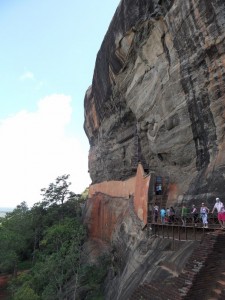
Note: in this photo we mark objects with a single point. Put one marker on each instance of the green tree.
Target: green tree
(25, 292)
(52, 234)
(59, 258)
(57, 192)
(15, 238)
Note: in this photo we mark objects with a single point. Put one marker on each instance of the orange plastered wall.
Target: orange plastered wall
(141, 195)
(137, 186)
(103, 215)
(114, 188)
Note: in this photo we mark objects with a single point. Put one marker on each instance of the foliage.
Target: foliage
(57, 192)
(46, 241)
(93, 277)
(25, 292)
(15, 238)
(84, 195)
(59, 257)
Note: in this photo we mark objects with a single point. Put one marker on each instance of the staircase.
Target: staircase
(218, 291)
(160, 200)
(209, 282)
(215, 269)
(202, 278)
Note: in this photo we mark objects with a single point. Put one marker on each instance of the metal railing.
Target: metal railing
(188, 220)
(183, 228)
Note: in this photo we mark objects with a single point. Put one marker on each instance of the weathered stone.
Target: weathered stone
(158, 95)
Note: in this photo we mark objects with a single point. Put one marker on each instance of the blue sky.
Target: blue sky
(47, 56)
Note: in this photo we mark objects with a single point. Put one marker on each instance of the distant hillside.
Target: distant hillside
(4, 210)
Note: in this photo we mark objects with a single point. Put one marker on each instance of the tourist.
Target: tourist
(172, 214)
(159, 189)
(184, 212)
(222, 216)
(204, 215)
(218, 206)
(162, 215)
(155, 213)
(194, 213)
(167, 219)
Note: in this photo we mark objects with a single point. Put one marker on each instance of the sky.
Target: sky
(47, 57)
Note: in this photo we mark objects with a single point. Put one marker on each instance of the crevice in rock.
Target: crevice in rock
(166, 50)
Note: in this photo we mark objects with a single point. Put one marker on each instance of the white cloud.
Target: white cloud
(35, 149)
(27, 76)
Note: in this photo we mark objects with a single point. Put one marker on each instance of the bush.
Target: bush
(25, 293)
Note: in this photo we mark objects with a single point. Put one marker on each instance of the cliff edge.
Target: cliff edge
(158, 94)
(154, 116)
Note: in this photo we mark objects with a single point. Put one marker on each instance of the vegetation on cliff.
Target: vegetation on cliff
(42, 247)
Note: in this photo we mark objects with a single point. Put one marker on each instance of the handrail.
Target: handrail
(191, 230)
(187, 220)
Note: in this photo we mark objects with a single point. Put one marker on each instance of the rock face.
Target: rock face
(158, 95)
(157, 98)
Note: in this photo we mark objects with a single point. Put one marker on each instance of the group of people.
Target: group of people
(204, 211)
(168, 215)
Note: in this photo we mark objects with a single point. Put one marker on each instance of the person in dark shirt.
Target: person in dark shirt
(194, 213)
(172, 214)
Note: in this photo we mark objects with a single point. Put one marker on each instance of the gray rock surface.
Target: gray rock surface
(140, 257)
(157, 95)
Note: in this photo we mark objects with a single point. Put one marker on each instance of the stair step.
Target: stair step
(217, 291)
(221, 282)
(215, 294)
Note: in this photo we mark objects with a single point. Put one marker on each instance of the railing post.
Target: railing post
(182, 232)
(173, 235)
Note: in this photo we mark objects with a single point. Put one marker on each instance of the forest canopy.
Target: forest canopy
(41, 247)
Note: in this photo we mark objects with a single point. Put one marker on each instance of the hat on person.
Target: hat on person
(217, 199)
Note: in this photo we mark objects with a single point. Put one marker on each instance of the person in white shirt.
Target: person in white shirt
(204, 215)
(155, 213)
(218, 206)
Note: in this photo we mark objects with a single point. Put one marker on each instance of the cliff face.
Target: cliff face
(158, 95)
(157, 98)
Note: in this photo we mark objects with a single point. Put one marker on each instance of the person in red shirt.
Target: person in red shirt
(218, 206)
